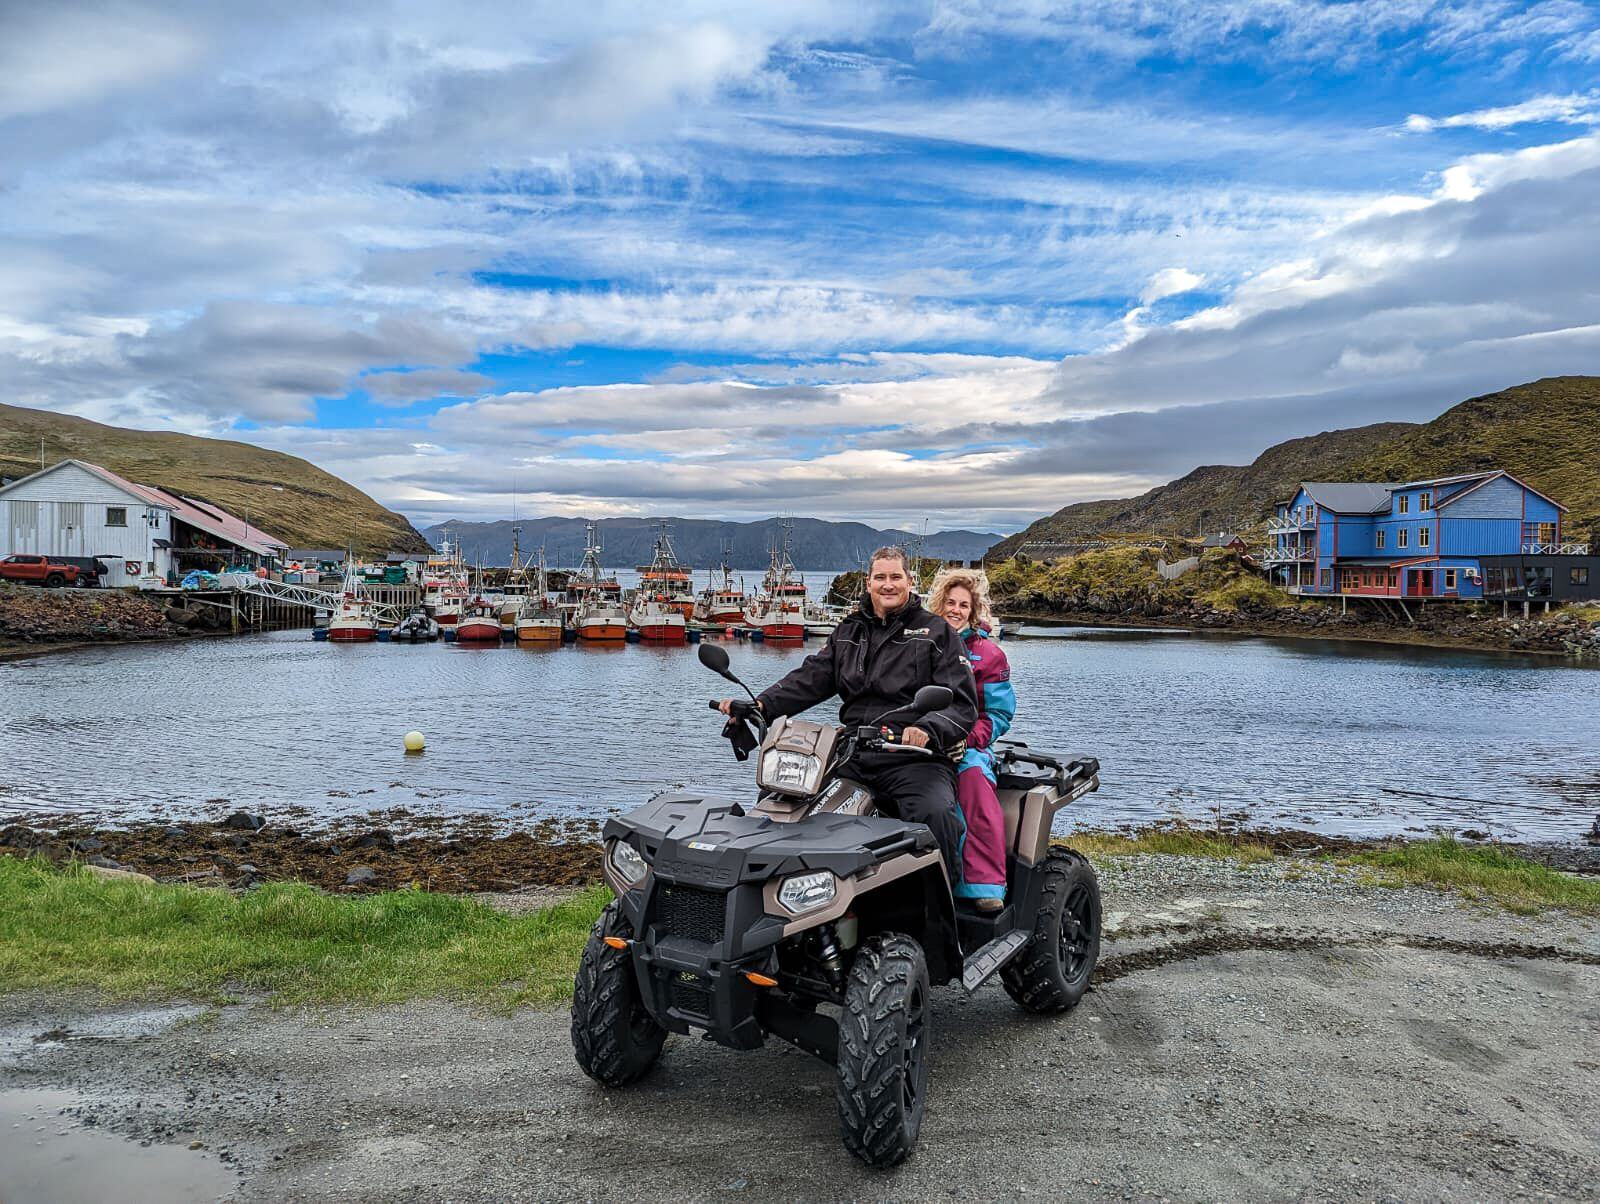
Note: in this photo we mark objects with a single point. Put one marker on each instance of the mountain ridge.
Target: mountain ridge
(816, 543)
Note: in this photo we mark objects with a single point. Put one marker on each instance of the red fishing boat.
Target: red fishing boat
(778, 611)
(665, 579)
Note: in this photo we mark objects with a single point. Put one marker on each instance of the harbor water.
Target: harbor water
(1350, 738)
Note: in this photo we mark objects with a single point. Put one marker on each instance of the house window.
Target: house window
(1380, 540)
(1400, 537)
(1580, 576)
(1394, 580)
(1425, 501)
(116, 516)
(1424, 537)
(1450, 579)
(1545, 532)
(1405, 503)
(1327, 578)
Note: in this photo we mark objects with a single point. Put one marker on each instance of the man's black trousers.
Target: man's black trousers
(919, 789)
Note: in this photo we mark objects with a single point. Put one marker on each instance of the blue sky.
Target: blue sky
(963, 262)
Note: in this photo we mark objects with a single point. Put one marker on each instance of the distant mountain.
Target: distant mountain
(281, 494)
(1546, 432)
(699, 542)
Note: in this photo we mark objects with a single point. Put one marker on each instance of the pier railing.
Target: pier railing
(1555, 549)
(310, 595)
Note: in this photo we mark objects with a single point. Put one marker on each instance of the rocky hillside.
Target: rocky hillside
(282, 494)
(816, 544)
(1547, 433)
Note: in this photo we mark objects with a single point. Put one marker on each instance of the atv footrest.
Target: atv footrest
(978, 928)
(981, 965)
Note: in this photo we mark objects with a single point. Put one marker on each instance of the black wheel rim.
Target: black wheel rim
(1077, 934)
(916, 1035)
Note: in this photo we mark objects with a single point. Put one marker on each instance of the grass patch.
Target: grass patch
(70, 929)
(1482, 872)
(1172, 842)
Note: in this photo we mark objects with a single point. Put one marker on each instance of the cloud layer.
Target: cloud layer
(964, 261)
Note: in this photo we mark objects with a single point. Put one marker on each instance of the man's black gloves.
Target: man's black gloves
(741, 733)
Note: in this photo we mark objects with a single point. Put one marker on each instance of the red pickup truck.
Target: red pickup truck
(39, 569)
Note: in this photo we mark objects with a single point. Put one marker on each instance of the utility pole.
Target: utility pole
(41, 453)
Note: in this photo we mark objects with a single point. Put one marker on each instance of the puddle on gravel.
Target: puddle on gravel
(47, 1158)
(109, 1027)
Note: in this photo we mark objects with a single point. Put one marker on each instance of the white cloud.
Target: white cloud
(1170, 282)
(1571, 109)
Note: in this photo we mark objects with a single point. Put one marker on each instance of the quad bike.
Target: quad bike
(811, 917)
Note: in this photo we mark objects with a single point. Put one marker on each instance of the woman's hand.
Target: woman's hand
(915, 737)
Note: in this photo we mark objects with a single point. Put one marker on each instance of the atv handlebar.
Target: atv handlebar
(739, 708)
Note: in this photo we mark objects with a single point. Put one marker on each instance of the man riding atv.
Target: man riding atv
(875, 661)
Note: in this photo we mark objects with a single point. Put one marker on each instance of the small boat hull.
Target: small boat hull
(538, 633)
(663, 633)
(782, 631)
(608, 632)
(478, 631)
(353, 633)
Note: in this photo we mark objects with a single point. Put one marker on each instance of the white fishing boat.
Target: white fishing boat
(353, 620)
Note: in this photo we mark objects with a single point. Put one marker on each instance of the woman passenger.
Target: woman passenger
(961, 597)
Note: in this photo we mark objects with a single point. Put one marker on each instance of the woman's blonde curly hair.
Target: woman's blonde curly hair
(975, 582)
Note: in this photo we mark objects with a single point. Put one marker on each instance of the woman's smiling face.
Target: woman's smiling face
(958, 607)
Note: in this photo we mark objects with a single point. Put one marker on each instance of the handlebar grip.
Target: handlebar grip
(713, 704)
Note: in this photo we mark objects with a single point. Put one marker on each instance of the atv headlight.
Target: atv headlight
(807, 892)
(790, 772)
(630, 867)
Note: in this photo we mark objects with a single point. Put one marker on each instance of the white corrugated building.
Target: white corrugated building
(142, 533)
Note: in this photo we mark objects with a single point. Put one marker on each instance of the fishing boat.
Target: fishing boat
(821, 619)
(721, 605)
(538, 619)
(514, 593)
(778, 609)
(444, 584)
(665, 579)
(657, 621)
(354, 621)
(480, 621)
(599, 617)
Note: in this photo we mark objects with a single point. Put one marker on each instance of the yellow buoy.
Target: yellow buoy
(415, 742)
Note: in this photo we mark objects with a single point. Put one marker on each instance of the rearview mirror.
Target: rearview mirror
(715, 658)
(929, 698)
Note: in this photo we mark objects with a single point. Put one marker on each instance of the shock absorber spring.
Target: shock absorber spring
(828, 948)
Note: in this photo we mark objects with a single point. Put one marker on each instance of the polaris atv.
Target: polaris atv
(809, 916)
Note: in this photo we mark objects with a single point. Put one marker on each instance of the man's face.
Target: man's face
(888, 586)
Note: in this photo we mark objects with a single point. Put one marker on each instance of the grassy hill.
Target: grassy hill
(1546, 432)
(1212, 497)
(281, 494)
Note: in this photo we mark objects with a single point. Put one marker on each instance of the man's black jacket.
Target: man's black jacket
(876, 665)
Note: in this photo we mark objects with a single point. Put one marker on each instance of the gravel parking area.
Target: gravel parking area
(1280, 1030)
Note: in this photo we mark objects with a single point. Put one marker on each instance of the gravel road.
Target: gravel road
(1270, 1032)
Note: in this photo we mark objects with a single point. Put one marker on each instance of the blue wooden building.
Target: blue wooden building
(1482, 535)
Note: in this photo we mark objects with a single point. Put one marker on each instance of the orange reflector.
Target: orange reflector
(616, 942)
(760, 980)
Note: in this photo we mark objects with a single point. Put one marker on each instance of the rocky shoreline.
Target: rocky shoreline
(1566, 632)
(387, 850)
(382, 851)
(35, 620)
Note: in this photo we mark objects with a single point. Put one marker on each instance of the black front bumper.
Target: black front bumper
(691, 950)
